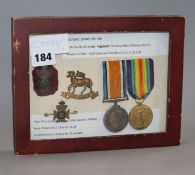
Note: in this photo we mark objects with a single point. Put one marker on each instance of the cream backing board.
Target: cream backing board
(94, 109)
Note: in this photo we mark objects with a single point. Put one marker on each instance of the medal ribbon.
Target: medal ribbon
(140, 77)
(114, 80)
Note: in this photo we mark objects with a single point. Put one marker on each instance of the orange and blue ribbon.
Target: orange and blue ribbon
(140, 77)
(114, 80)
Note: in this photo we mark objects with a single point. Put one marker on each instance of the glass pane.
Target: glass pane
(98, 84)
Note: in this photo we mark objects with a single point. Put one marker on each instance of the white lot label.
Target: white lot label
(44, 47)
(43, 58)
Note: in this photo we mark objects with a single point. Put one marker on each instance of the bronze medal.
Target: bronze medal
(140, 117)
(140, 81)
(114, 90)
(115, 119)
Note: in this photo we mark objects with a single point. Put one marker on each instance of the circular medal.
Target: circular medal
(115, 119)
(140, 117)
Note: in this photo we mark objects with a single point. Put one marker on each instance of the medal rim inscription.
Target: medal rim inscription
(107, 116)
(132, 115)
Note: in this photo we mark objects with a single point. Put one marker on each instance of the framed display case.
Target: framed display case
(96, 83)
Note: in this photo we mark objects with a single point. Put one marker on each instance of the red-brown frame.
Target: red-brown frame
(23, 27)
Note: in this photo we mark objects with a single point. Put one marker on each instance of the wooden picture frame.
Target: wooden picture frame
(23, 27)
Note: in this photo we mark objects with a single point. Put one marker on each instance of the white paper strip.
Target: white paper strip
(82, 125)
(117, 44)
(44, 47)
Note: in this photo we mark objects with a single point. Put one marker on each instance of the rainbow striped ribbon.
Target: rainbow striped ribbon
(114, 80)
(140, 77)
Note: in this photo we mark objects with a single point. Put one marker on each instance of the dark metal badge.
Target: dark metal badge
(61, 114)
(140, 117)
(45, 80)
(115, 119)
(78, 79)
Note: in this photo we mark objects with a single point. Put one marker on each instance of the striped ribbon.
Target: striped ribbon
(140, 77)
(114, 80)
